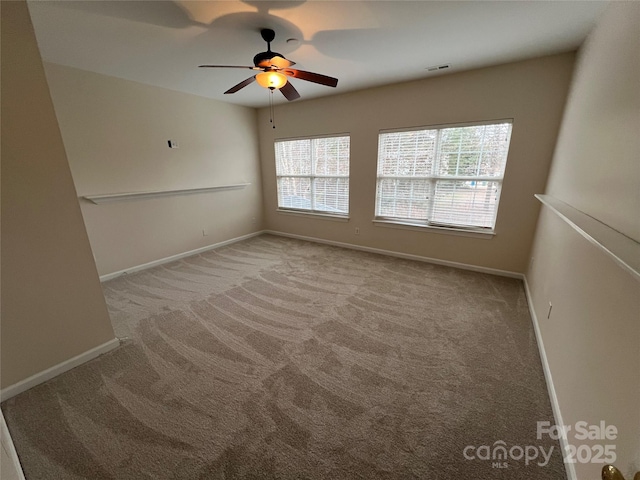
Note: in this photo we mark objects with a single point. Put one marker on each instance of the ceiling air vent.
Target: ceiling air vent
(438, 67)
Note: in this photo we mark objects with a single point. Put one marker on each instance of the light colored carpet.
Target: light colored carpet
(280, 359)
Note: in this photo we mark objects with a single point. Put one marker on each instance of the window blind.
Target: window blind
(446, 176)
(313, 174)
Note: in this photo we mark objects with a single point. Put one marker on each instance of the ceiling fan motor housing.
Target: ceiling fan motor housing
(263, 59)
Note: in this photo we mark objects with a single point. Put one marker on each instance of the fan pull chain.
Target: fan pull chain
(271, 109)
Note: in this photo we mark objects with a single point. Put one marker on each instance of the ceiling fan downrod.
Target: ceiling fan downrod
(268, 35)
(263, 58)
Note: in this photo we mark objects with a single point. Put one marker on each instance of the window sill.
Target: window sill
(460, 232)
(321, 216)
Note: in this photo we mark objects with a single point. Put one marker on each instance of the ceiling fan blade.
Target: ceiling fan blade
(311, 77)
(289, 91)
(228, 66)
(281, 62)
(241, 85)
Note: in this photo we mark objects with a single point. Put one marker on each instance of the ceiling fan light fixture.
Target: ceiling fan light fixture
(274, 72)
(271, 79)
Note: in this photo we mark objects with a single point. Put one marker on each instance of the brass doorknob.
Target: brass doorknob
(609, 472)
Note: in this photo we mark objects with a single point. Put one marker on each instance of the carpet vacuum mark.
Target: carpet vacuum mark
(281, 359)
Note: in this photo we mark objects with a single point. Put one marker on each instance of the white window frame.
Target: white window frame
(432, 179)
(312, 177)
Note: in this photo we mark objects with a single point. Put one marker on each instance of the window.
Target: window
(313, 175)
(447, 177)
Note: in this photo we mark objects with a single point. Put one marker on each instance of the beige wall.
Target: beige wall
(52, 303)
(592, 337)
(531, 92)
(116, 132)
(597, 157)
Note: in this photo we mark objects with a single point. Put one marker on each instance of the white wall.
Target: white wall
(116, 132)
(592, 338)
(532, 92)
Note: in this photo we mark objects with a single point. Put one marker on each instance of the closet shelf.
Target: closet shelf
(622, 249)
(121, 197)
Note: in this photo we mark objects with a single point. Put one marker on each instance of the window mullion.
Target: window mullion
(435, 166)
(484, 133)
(495, 210)
(395, 197)
(415, 154)
(312, 180)
(458, 159)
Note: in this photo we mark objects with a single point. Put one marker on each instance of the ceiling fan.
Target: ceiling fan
(274, 70)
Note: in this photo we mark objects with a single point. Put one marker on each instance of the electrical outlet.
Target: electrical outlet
(357, 230)
(173, 144)
(204, 232)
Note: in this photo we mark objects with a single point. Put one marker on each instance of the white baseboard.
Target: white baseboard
(7, 444)
(155, 263)
(49, 373)
(555, 406)
(408, 256)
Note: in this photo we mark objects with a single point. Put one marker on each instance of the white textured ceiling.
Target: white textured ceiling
(362, 43)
